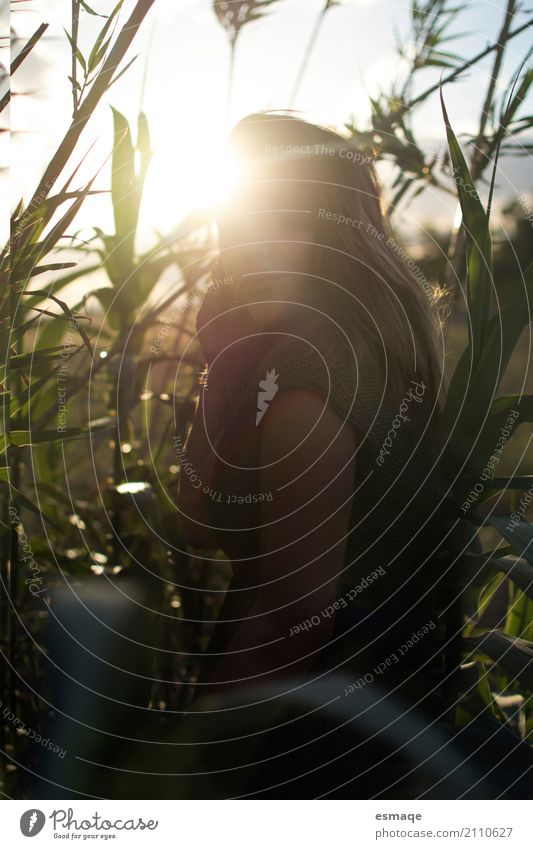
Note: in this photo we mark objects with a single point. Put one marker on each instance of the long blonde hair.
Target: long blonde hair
(367, 282)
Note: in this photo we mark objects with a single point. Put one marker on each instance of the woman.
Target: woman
(314, 447)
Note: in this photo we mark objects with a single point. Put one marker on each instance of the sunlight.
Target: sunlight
(210, 180)
(458, 217)
(194, 180)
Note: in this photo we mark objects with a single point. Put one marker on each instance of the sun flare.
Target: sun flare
(195, 180)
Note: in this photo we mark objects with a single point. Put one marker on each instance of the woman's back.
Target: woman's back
(385, 611)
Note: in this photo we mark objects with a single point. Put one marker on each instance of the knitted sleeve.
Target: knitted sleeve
(352, 390)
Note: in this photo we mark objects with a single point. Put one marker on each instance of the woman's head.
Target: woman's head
(267, 233)
(306, 239)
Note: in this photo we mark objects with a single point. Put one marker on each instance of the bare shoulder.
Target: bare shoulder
(300, 427)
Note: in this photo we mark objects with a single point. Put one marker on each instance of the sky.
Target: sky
(180, 80)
